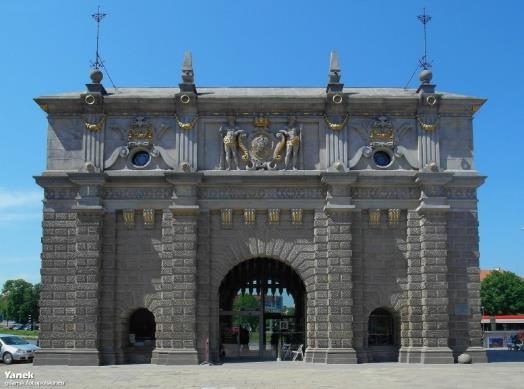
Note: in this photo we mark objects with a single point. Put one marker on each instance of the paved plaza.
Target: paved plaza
(277, 375)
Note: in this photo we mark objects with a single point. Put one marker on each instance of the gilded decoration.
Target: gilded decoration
(129, 217)
(186, 126)
(273, 216)
(291, 137)
(393, 216)
(249, 216)
(374, 217)
(382, 133)
(261, 149)
(336, 126)
(296, 216)
(149, 217)
(140, 141)
(95, 126)
(226, 216)
(261, 145)
(232, 145)
(140, 133)
(261, 122)
(427, 125)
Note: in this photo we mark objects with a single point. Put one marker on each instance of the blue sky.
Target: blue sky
(476, 48)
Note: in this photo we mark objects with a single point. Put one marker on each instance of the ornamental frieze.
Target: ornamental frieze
(403, 193)
(60, 193)
(233, 193)
(461, 193)
(138, 193)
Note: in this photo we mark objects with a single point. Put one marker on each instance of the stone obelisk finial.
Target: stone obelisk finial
(334, 84)
(188, 76)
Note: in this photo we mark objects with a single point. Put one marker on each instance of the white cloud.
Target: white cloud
(10, 199)
(20, 205)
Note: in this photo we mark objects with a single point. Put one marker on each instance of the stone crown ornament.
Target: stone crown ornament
(261, 122)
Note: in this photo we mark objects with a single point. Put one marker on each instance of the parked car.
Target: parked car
(15, 348)
(14, 326)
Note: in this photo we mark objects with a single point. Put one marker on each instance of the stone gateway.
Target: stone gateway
(185, 225)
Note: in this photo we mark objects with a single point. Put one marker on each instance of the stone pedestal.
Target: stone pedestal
(70, 357)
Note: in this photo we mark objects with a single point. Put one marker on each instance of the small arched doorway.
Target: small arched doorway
(141, 339)
(383, 336)
(262, 304)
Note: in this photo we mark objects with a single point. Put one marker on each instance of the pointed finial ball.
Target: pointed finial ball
(96, 76)
(425, 76)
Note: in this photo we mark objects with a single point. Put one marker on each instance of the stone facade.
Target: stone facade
(152, 196)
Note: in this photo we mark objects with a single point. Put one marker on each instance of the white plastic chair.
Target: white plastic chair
(298, 352)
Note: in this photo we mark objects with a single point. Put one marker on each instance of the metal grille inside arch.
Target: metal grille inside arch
(262, 305)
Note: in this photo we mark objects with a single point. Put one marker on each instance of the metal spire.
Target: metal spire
(98, 16)
(424, 19)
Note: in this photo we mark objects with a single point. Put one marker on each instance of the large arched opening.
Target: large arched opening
(141, 336)
(262, 305)
(383, 336)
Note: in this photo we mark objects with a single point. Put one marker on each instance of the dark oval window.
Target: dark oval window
(140, 158)
(381, 158)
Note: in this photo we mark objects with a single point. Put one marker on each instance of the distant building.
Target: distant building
(500, 329)
(485, 272)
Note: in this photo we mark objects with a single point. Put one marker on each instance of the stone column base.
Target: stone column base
(425, 355)
(331, 355)
(67, 356)
(478, 354)
(171, 356)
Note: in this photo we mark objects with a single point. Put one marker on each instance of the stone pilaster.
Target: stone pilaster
(427, 330)
(333, 341)
(411, 325)
(176, 324)
(86, 324)
(358, 270)
(72, 321)
(204, 294)
(464, 285)
(340, 289)
(58, 293)
(317, 299)
(109, 353)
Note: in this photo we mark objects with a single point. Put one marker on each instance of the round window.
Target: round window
(140, 158)
(381, 158)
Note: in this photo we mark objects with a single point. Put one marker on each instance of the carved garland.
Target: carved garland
(94, 127)
(337, 126)
(186, 126)
(428, 126)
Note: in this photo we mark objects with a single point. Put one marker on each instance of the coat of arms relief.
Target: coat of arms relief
(261, 149)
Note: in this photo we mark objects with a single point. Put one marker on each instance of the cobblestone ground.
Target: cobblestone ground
(275, 375)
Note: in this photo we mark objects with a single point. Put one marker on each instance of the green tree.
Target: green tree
(246, 302)
(21, 300)
(35, 302)
(3, 307)
(502, 293)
